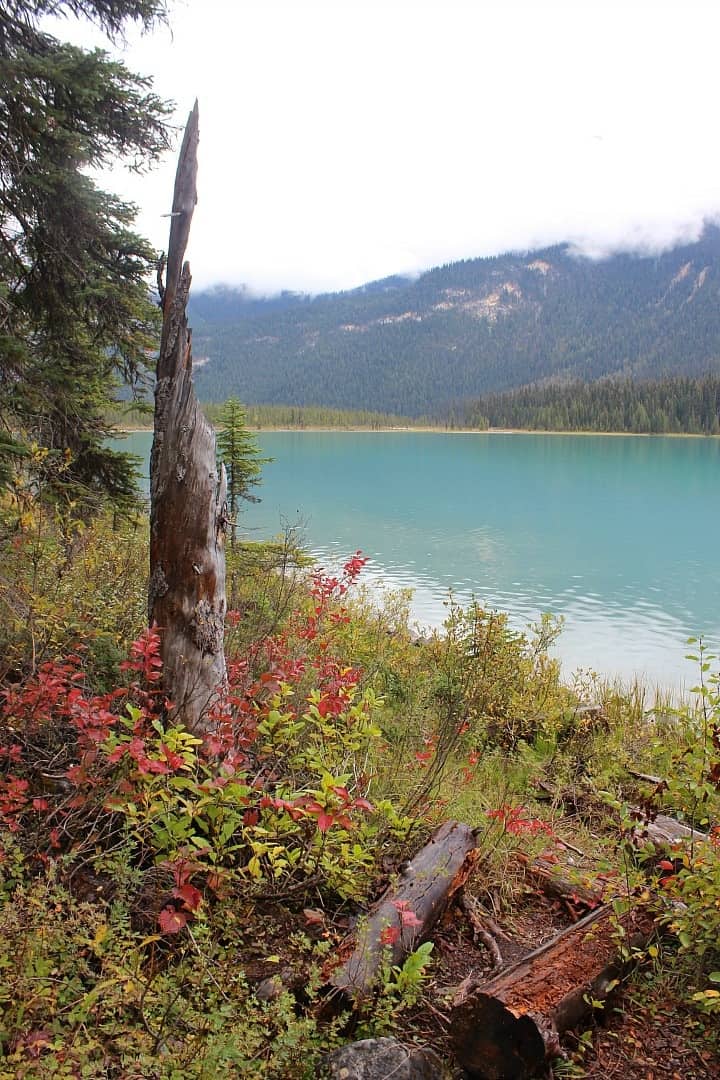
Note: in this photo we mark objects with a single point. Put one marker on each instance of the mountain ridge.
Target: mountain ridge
(418, 345)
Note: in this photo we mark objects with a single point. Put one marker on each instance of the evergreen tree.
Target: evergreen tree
(240, 453)
(75, 311)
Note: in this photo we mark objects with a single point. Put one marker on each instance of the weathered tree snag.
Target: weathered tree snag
(188, 512)
(426, 886)
(506, 1028)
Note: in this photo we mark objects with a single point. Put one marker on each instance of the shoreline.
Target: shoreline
(419, 430)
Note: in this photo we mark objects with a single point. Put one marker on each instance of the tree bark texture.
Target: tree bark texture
(188, 511)
(424, 889)
(506, 1028)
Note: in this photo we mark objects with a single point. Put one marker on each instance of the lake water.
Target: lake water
(619, 535)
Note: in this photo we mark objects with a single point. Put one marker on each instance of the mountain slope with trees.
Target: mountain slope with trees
(470, 328)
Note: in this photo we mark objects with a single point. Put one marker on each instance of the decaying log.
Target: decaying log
(506, 1028)
(666, 832)
(406, 913)
(188, 512)
(663, 831)
(554, 880)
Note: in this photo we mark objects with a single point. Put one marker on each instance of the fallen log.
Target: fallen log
(666, 831)
(554, 880)
(507, 1028)
(407, 912)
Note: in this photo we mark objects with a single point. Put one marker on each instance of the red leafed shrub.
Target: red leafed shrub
(272, 791)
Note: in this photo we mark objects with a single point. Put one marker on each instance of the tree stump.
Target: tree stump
(505, 1029)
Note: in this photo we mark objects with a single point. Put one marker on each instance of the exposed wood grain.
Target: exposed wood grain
(508, 1027)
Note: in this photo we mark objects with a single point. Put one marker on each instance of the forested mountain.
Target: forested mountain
(467, 329)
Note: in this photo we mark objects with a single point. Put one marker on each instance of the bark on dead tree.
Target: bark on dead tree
(425, 887)
(506, 1028)
(188, 511)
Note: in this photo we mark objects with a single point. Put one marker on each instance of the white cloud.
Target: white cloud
(349, 139)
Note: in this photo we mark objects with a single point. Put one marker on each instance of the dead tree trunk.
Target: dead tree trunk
(188, 509)
(406, 913)
(505, 1029)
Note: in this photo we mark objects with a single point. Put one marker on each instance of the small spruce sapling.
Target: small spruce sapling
(240, 453)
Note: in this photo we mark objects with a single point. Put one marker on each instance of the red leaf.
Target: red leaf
(171, 921)
(390, 935)
(190, 896)
(409, 918)
(363, 804)
(407, 915)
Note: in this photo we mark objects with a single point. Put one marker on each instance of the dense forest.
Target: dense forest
(671, 406)
(461, 331)
(659, 407)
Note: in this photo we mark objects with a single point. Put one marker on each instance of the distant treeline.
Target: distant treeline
(276, 416)
(673, 405)
(311, 416)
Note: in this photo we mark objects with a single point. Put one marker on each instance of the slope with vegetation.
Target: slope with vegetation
(171, 905)
(467, 329)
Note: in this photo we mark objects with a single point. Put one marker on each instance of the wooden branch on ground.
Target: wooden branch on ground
(647, 778)
(407, 912)
(480, 932)
(188, 511)
(511, 1025)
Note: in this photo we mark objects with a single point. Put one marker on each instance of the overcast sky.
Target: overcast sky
(345, 140)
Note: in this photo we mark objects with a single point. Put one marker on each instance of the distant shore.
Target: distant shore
(412, 429)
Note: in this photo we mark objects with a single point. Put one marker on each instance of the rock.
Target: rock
(271, 988)
(377, 1059)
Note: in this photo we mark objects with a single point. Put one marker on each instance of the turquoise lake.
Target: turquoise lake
(617, 534)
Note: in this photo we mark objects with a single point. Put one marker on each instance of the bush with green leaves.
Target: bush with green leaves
(692, 872)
